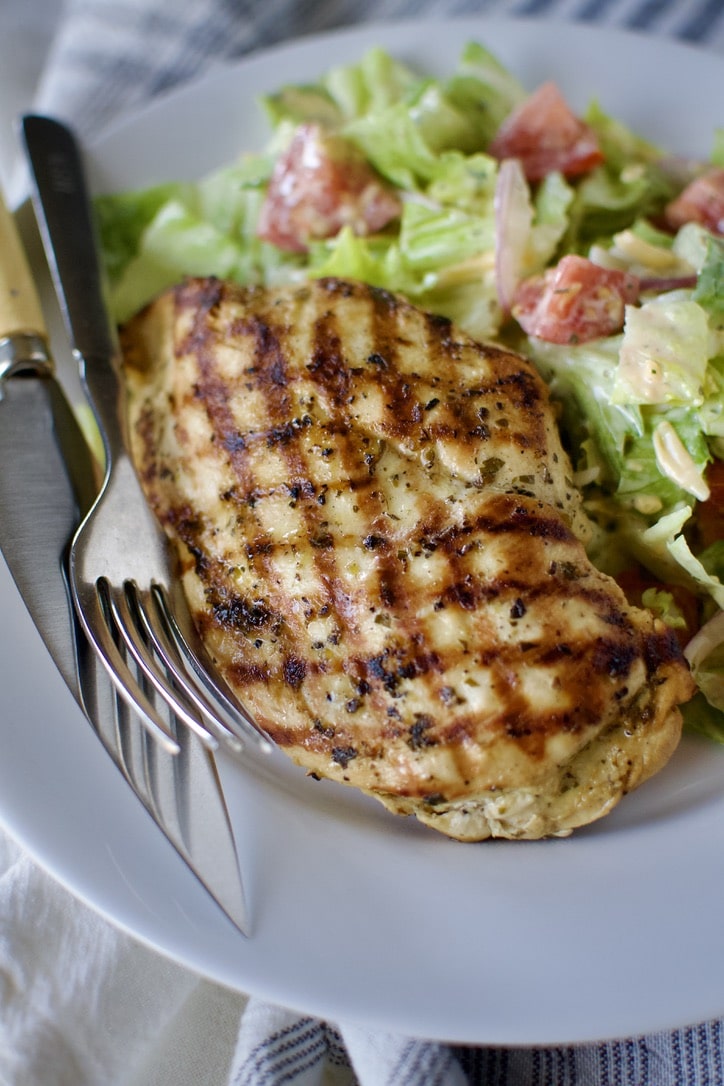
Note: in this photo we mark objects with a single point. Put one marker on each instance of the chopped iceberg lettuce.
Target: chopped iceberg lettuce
(679, 548)
(664, 606)
(625, 151)
(176, 242)
(705, 653)
(664, 352)
(608, 201)
(465, 182)
(376, 261)
(304, 104)
(717, 153)
(643, 464)
(377, 81)
(551, 203)
(600, 431)
(484, 89)
(435, 237)
(703, 718)
(652, 479)
(154, 238)
(630, 185)
(343, 93)
(641, 411)
(709, 291)
(122, 218)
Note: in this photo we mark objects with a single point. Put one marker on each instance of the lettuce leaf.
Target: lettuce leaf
(717, 151)
(483, 89)
(705, 653)
(377, 81)
(644, 481)
(664, 352)
(631, 185)
(176, 243)
(376, 261)
(122, 218)
(599, 430)
(702, 718)
(709, 291)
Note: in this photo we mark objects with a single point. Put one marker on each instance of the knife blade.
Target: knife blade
(47, 483)
(38, 436)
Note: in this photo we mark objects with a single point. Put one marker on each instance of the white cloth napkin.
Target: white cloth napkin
(82, 1003)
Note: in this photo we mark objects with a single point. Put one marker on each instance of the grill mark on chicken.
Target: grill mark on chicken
(470, 593)
(328, 369)
(228, 610)
(273, 380)
(331, 370)
(661, 647)
(391, 573)
(425, 665)
(393, 589)
(210, 388)
(215, 394)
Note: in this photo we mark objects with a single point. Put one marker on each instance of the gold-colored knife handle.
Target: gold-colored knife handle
(19, 303)
(23, 336)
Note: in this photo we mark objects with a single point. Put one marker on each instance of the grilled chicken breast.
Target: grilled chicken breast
(384, 553)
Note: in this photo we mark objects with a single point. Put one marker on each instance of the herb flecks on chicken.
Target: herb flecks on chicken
(385, 555)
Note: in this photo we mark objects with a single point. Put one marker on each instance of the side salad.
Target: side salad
(570, 238)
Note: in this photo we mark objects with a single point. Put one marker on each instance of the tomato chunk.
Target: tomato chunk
(320, 183)
(574, 302)
(701, 201)
(545, 135)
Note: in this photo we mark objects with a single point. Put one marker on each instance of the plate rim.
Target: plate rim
(406, 1019)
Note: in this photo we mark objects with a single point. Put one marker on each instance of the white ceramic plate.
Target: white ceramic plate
(358, 915)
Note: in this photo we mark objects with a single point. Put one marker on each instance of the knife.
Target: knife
(47, 483)
(39, 435)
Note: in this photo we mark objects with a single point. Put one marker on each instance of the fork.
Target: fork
(124, 583)
(181, 792)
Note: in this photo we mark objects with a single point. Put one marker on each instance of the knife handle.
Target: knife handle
(23, 336)
(20, 310)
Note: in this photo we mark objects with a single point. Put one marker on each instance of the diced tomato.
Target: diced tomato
(636, 580)
(701, 201)
(545, 135)
(574, 302)
(320, 183)
(710, 514)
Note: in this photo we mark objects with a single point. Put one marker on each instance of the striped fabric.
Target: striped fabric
(110, 56)
(277, 1047)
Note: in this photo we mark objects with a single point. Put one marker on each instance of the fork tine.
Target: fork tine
(96, 625)
(130, 620)
(210, 693)
(170, 786)
(165, 793)
(166, 649)
(132, 747)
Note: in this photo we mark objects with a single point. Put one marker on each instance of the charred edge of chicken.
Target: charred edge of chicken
(384, 553)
